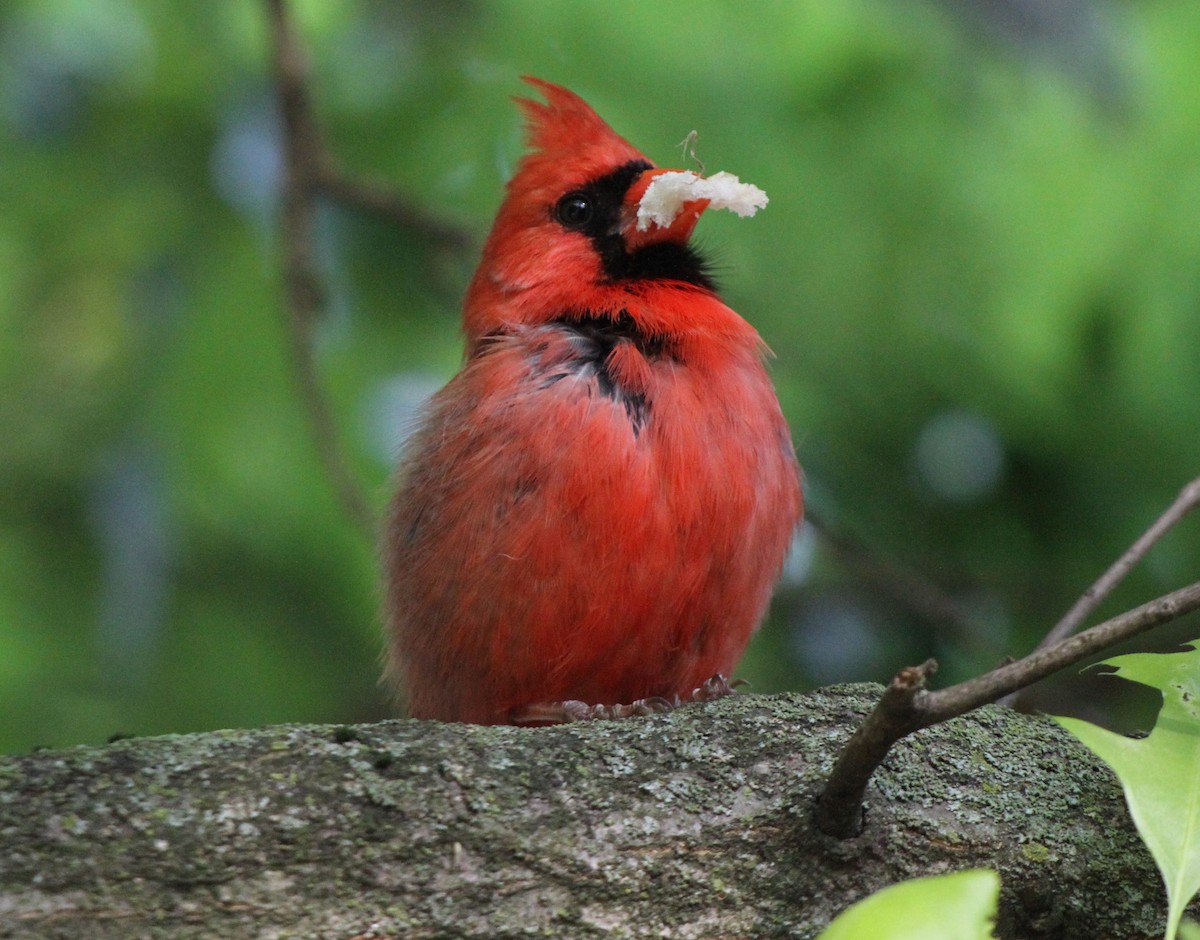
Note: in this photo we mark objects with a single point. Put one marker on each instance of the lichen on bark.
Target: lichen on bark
(693, 824)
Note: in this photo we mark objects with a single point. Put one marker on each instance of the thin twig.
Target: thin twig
(960, 699)
(302, 284)
(1188, 499)
(1185, 502)
(905, 708)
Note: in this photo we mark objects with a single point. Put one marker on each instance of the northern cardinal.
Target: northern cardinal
(594, 510)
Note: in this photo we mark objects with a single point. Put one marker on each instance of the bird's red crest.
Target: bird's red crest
(565, 129)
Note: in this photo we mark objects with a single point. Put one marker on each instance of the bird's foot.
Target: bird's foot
(717, 687)
(553, 713)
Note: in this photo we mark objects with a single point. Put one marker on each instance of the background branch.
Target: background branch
(380, 200)
(309, 171)
(302, 285)
(911, 588)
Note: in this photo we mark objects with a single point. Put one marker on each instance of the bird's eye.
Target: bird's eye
(574, 210)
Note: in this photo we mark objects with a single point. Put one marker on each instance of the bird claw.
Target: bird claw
(572, 710)
(716, 687)
(545, 713)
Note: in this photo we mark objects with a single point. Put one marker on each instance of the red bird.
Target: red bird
(595, 508)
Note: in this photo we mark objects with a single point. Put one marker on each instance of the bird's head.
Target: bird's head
(581, 225)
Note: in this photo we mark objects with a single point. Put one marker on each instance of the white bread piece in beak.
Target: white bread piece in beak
(665, 196)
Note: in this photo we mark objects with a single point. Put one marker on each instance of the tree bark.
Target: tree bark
(695, 824)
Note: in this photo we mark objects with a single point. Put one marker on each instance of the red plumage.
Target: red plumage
(597, 505)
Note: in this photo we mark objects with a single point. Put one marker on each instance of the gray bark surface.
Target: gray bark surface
(695, 824)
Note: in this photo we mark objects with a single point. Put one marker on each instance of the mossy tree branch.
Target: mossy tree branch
(695, 823)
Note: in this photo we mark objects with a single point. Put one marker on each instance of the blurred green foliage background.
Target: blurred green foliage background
(978, 271)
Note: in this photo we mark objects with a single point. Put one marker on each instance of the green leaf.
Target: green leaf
(1161, 773)
(1189, 930)
(958, 906)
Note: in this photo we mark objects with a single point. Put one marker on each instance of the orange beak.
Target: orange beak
(680, 229)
